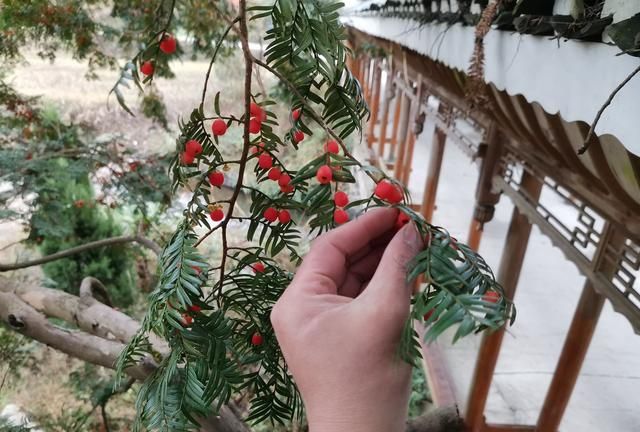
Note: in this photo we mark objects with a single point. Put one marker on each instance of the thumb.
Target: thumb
(389, 286)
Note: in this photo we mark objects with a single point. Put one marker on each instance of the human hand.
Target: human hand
(340, 321)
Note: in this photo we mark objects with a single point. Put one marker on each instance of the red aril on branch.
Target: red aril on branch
(258, 267)
(402, 220)
(187, 319)
(340, 216)
(324, 174)
(265, 161)
(332, 147)
(218, 127)
(147, 68)
(216, 215)
(298, 136)
(168, 44)
(270, 214)
(284, 179)
(255, 110)
(216, 178)
(396, 195)
(186, 158)
(341, 199)
(258, 148)
(254, 126)
(385, 190)
(256, 339)
(287, 189)
(274, 174)
(194, 308)
(428, 314)
(193, 147)
(133, 166)
(295, 114)
(491, 297)
(284, 216)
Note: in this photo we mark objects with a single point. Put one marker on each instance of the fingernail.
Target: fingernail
(412, 238)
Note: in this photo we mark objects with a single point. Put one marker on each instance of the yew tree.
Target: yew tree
(206, 336)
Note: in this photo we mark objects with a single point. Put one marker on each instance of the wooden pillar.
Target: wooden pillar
(433, 172)
(509, 272)
(416, 123)
(579, 337)
(375, 103)
(491, 151)
(386, 105)
(402, 135)
(396, 120)
(366, 61)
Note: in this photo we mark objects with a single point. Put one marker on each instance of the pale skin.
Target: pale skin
(340, 321)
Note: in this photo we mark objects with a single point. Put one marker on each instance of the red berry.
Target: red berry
(324, 174)
(298, 136)
(428, 314)
(270, 214)
(254, 126)
(147, 68)
(258, 267)
(284, 216)
(491, 297)
(332, 147)
(396, 195)
(187, 159)
(341, 199)
(255, 110)
(256, 339)
(340, 216)
(258, 148)
(78, 203)
(187, 319)
(216, 178)
(296, 114)
(133, 166)
(195, 308)
(284, 180)
(402, 220)
(193, 147)
(274, 174)
(197, 269)
(168, 44)
(383, 189)
(218, 127)
(265, 161)
(287, 189)
(217, 215)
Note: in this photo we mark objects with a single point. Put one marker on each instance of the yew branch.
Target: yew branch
(148, 243)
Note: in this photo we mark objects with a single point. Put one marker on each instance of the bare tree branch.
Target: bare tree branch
(24, 319)
(20, 311)
(148, 243)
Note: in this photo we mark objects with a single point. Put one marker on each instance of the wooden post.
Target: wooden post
(386, 104)
(366, 62)
(433, 172)
(491, 151)
(416, 124)
(375, 103)
(400, 96)
(579, 337)
(509, 272)
(475, 234)
(402, 136)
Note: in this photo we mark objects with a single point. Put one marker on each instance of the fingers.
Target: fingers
(360, 272)
(388, 286)
(324, 267)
